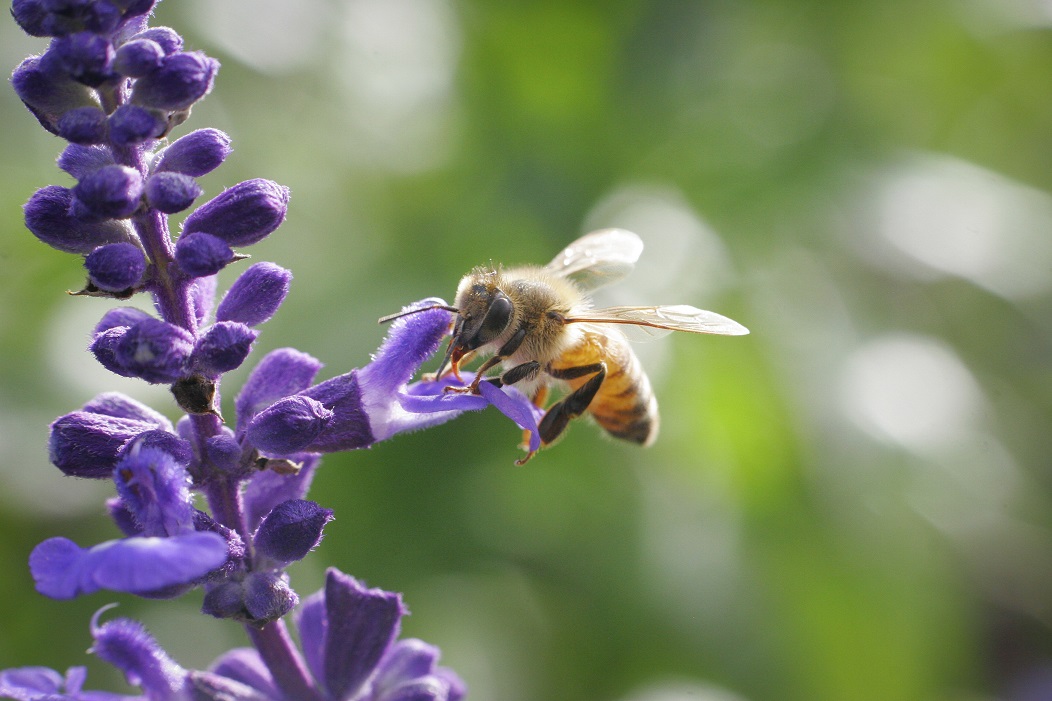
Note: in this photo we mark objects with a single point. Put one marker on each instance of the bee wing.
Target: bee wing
(659, 319)
(598, 258)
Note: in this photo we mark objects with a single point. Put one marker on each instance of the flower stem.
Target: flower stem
(286, 665)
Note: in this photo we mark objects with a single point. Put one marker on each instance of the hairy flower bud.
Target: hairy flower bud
(83, 125)
(222, 348)
(112, 191)
(171, 192)
(155, 351)
(79, 160)
(84, 56)
(85, 444)
(138, 57)
(200, 254)
(195, 154)
(48, 216)
(290, 531)
(181, 80)
(289, 425)
(132, 124)
(115, 267)
(166, 37)
(49, 94)
(243, 214)
(256, 295)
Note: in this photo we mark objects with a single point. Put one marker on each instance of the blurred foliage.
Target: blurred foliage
(853, 502)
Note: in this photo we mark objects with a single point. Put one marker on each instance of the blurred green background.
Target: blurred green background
(854, 502)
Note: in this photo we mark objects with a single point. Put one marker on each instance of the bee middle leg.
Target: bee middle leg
(573, 405)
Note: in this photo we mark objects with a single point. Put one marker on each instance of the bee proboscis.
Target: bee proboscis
(538, 324)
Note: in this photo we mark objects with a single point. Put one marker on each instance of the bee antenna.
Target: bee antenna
(408, 312)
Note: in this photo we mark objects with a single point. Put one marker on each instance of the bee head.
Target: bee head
(484, 312)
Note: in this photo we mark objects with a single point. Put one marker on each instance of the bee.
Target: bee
(538, 324)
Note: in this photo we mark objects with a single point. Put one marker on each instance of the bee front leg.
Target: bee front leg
(575, 404)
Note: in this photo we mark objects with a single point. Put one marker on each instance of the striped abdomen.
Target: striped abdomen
(625, 404)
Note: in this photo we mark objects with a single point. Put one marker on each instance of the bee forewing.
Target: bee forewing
(599, 258)
(674, 317)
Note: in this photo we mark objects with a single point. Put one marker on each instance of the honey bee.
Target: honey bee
(538, 324)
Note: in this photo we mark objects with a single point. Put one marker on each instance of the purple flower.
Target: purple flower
(349, 638)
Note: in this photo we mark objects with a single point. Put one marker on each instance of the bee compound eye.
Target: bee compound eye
(498, 316)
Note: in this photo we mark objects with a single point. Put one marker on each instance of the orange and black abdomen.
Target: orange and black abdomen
(625, 404)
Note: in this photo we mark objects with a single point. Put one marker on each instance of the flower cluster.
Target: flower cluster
(114, 89)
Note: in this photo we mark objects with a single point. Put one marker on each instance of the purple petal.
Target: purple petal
(517, 407)
(84, 444)
(362, 624)
(405, 661)
(291, 530)
(127, 645)
(195, 154)
(256, 295)
(245, 666)
(156, 490)
(349, 427)
(213, 687)
(63, 570)
(410, 341)
(243, 214)
(313, 628)
(30, 683)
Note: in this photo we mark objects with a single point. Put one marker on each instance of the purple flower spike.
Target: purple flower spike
(138, 57)
(127, 645)
(222, 348)
(200, 254)
(291, 531)
(115, 267)
(195, 154)
(83, 125)
(48, 216)
(243, 214)
(113, 191)
(155, 351)
(171, 192)
(131, 124)
(64, 570)
(289, 425)
(256, 295)
(183, 79)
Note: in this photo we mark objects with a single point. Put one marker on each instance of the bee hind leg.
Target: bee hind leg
(575, 404)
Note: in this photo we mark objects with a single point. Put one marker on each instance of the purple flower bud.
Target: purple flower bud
(183, 79)
(195, 154)
(120, 406)
(83, 125)
(222, 348)
(116, 266)
(78, 160)
(85, 57)
(243, 214)
(171, 192)
(350, 427)
(155, 351)
(113, 191)
(31, 17)
(200, 254)
(225, 600)
(132, 124)
(280, 373)
(256, 295)
(48, 216)
(290, 531)
(83, 444)
(158, 439)
(168, 39)
(138, 57)
(104, 348)
(224, 452)
(268, 597)
(48, 95)
(289, 425)
(202, 297)
(120, 316)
